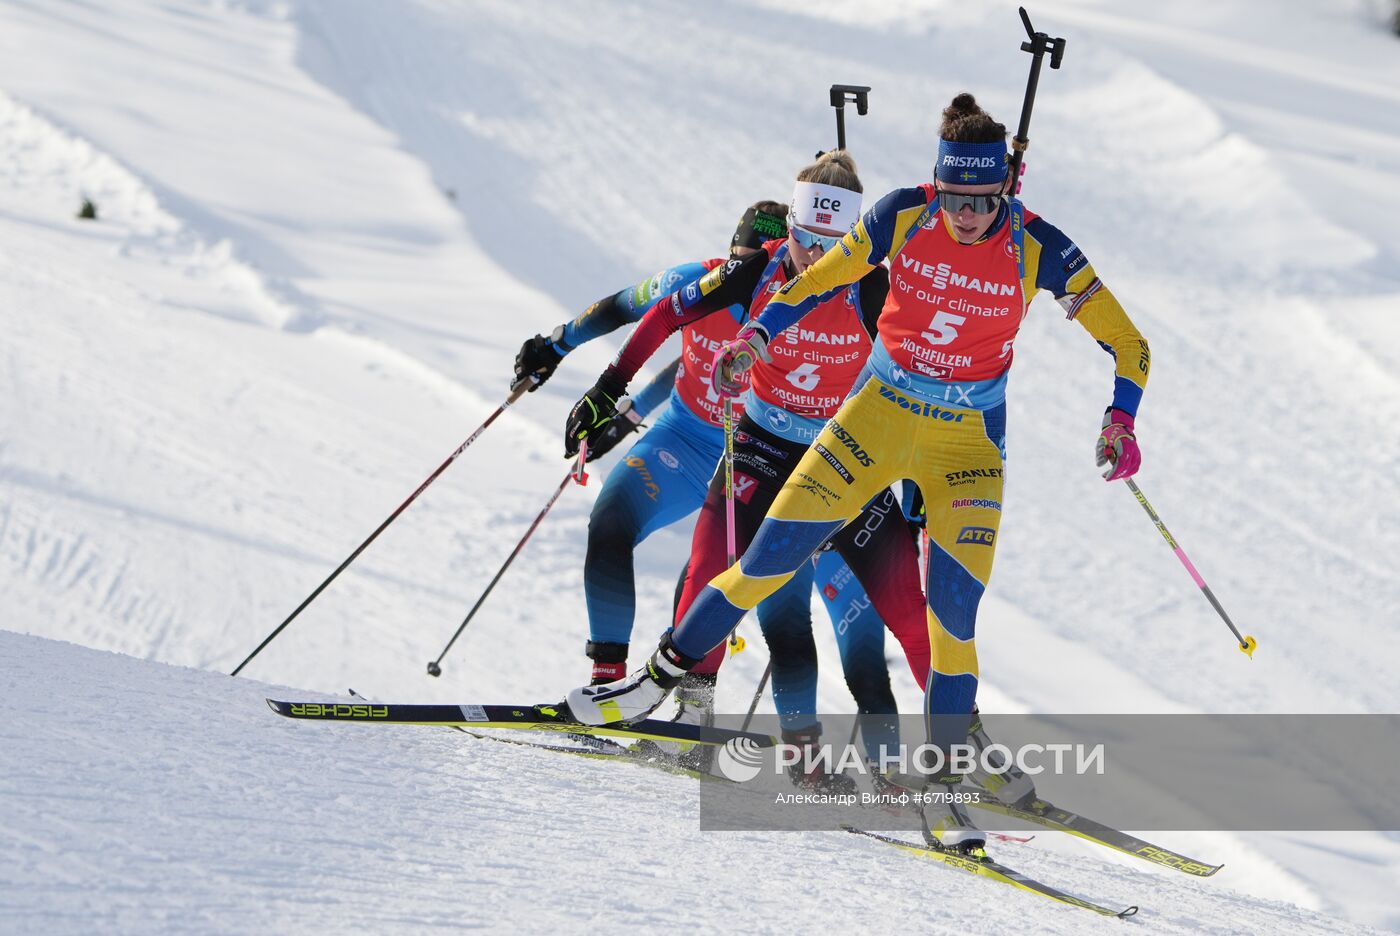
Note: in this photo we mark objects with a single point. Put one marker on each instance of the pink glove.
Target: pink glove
(734, 358)
(1117, 446)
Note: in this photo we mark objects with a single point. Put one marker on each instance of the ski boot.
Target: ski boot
(695, 705)
(609, 665)
(1007, 784)
(637, 695)
(890, 795)
(609, 661)
(810, 774)
(946, 823)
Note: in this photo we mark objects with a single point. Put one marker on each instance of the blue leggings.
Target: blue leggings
(661, 479)
(860, 639)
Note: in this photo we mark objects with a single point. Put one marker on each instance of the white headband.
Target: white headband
(815, 205)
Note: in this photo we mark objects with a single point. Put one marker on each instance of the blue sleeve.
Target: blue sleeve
(656, 392)
(1064, 271)
(882, 221)
(626, 306)
(1060, 259)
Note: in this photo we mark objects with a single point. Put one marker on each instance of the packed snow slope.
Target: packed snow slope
(325, 227)
(201, 812)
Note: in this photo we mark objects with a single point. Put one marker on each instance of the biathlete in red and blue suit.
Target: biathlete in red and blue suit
(795, 390)
(664, 477)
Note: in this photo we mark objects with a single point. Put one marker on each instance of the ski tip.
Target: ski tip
(1212, 871)
(1131, 911)
(279, 707)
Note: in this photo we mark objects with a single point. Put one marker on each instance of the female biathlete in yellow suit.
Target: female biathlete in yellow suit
(964, 265)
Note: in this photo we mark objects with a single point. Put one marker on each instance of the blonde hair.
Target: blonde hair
(834, 167)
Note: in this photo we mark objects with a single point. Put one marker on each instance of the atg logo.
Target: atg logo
(977, 536)
(740, 759)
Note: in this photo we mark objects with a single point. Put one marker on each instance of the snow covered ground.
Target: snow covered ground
(325, 226)
(150, 798)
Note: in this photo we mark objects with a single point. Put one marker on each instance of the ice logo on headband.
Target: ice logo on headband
(830, 207)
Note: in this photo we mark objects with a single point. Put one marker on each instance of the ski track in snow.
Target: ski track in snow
(324, 231)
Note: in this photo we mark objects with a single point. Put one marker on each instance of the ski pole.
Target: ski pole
(517, 390)
(1247, 643)
(577, 475)
(736, 643)
(758, 693)
(730, 544)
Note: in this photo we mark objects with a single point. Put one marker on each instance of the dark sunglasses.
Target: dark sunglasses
(953, 202)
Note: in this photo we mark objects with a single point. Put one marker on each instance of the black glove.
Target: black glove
(591, 414)
(537, 358)
(627, 421)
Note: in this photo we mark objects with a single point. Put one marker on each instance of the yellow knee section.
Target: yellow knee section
(746, 591)
(950, 656)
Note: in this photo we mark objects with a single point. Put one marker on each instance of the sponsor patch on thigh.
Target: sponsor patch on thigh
(835, 463)
(977, 536)
(811, 485)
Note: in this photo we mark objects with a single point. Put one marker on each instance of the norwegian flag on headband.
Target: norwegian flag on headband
(823, 217)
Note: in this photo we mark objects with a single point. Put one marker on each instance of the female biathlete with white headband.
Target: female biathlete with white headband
(794, 391)
(930, 406)
(663, 478)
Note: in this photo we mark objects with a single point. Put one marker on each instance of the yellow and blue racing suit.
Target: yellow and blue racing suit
(929, 406)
